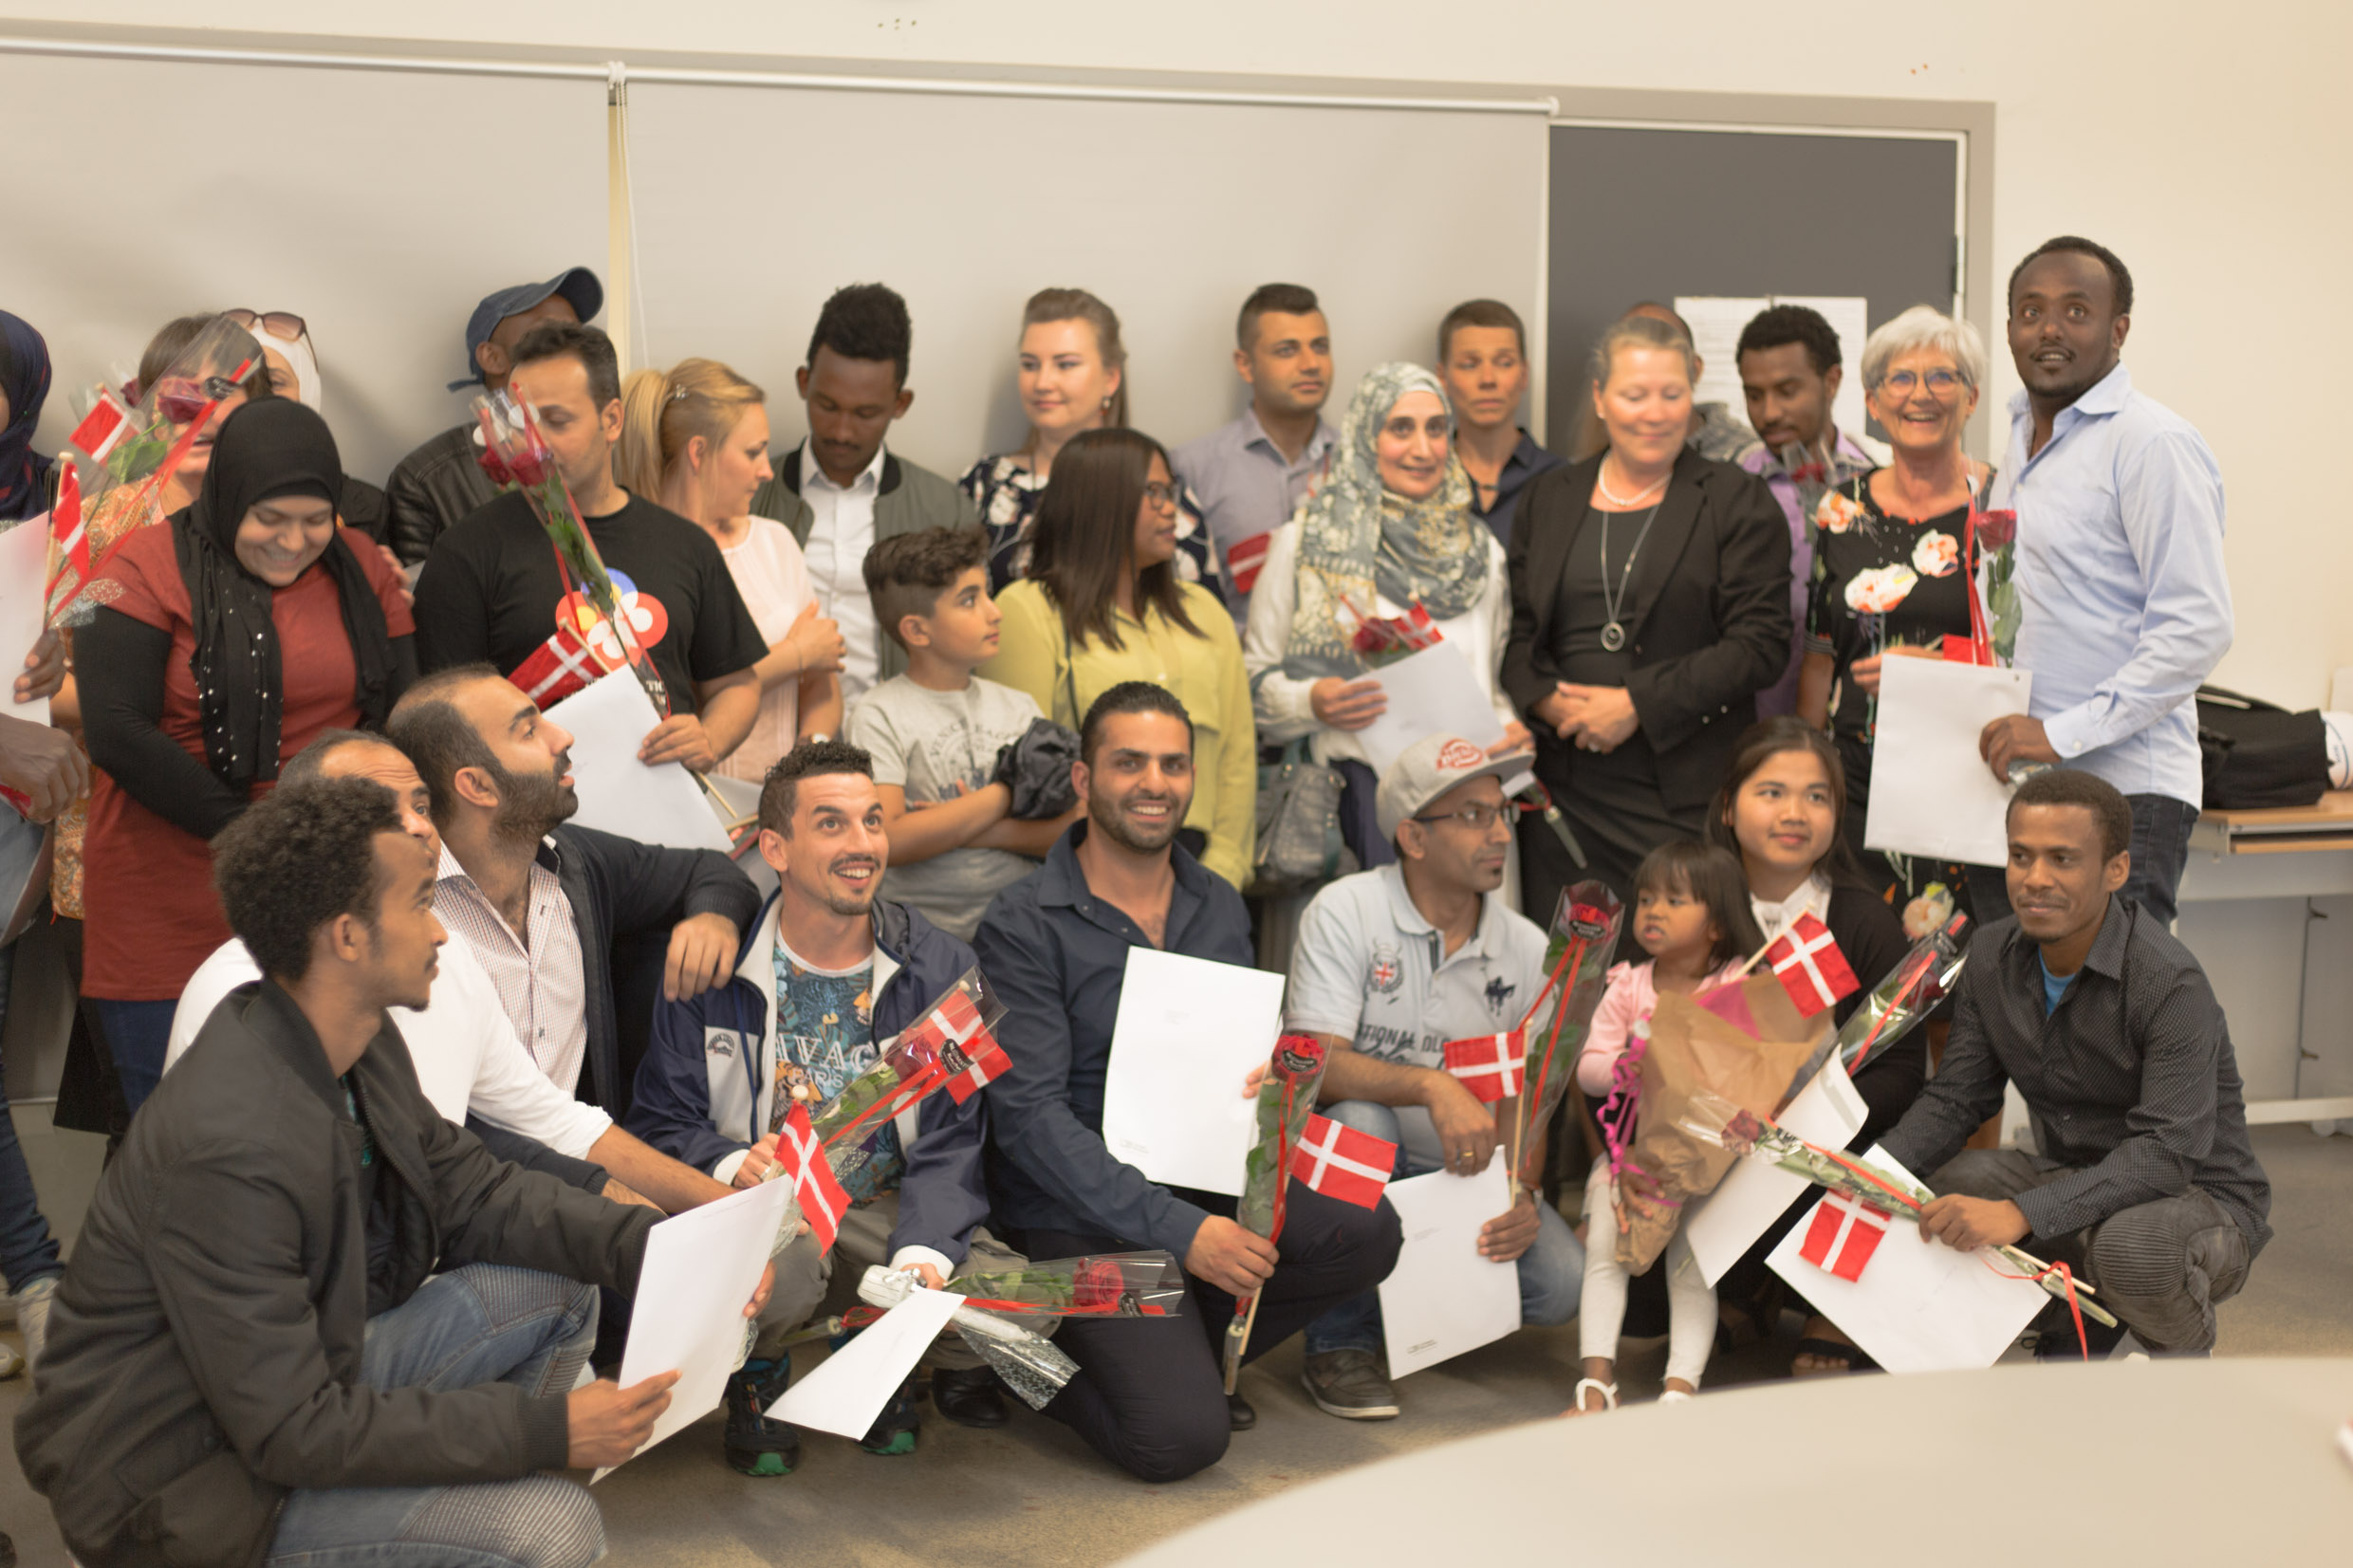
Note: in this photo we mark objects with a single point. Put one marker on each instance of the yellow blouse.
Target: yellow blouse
(1203, 670)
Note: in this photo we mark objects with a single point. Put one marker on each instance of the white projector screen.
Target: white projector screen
(754, 204)
(378, 206)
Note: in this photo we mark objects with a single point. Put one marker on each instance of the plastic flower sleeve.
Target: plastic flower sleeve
(1103, 1285)
(1285, 1101)
(949, 1045)
(1584, 933)
(1031, 1364)
(1908, 994)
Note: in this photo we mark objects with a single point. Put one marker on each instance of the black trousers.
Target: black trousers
(1150, 1392)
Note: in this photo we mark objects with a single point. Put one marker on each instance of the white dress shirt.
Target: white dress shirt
(840, 536)
(466, 1053)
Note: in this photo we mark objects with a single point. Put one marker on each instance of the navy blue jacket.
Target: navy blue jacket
(704, 1089)
(1056, 956)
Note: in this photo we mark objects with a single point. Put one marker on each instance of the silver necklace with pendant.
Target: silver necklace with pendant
(1613, 629)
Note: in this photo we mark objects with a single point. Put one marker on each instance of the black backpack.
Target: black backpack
(2257, 754)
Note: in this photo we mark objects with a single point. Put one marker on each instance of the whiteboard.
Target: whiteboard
(379, 207)
(754, 204)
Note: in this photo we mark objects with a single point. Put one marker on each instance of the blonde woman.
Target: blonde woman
(695, 440)
(1072, 370)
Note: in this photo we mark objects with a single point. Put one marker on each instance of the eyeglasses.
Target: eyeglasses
(1163, 495)
(1478, 818)
(1940, 384)
(278, 323)
(181, 399)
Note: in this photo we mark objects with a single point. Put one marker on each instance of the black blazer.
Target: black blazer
(1707, 615)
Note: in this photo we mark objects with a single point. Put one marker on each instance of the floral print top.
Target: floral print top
(1880, 582)
(1007, 494)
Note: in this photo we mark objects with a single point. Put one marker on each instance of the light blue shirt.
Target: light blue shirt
(2125, 604)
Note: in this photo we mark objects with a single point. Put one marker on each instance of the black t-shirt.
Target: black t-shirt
(490, 588)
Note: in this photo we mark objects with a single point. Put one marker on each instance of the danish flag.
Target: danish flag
(967, 1052)
(1811, 967)
(1245, 558)
(801, 1160)
(1844, 1234)
(1492, 1067)
(1340, 1162)
(558, 668)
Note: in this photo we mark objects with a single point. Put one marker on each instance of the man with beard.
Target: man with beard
(2143, 1178)
(829, 976)
(541, 903)
(2123, 596)
(1149, 1395)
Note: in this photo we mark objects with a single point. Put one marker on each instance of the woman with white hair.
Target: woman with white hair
(1889, 580)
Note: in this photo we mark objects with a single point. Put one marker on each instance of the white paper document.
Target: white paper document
(23, 565)
(1443, 1298)
(1930, 793)
(1917, 1306)
(851, 1387)
(1429, 691)
(699, 1272)
(617, 793)
(1188, 1033)
(1825, 1112)
(1715, 321)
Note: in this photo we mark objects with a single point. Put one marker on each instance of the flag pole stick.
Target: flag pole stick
(1237, 1341)
(1754, 958)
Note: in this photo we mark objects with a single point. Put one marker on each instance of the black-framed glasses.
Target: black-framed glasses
(1478, 818)
(1940, 384)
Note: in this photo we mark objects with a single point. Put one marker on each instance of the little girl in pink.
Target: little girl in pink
(1691, 914)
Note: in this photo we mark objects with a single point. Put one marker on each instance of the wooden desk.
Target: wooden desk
(2283, 830)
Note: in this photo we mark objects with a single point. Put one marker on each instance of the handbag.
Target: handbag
(2256, 754)
(1299, 842)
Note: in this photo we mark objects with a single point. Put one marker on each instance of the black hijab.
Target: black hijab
(269, 449)
(25, 377)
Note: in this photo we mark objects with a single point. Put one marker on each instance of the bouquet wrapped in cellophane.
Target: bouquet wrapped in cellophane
(1285, 1101)
(1910, 991)
(1716, 1120)
(1584, 933)
(120, 456)
(951, 1046)
(1098, 1284)
(515, 454)
(1029, 1363)
(1385, 640)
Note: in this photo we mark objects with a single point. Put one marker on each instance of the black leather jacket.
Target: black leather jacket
(434, 488)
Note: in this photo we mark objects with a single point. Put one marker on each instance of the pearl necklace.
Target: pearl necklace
(1628, 502)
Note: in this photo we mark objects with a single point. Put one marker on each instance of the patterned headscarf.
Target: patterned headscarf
(1357, 538)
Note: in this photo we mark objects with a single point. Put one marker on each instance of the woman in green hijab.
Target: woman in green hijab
(1389, 529)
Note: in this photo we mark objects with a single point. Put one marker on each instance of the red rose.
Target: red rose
(531, 466)
(1369, 638)
(494, 466)
(1995, 529)
(1097, 1283)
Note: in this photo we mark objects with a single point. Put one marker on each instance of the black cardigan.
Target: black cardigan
(1870, 934)
(1707, 615)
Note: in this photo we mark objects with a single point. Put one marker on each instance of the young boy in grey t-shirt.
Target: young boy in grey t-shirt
(935, 732)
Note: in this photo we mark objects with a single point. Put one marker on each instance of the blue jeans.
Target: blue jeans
(137, 1034)
(27, 1251)
(2160, 852)
(1552, 1270)
(479, 1324)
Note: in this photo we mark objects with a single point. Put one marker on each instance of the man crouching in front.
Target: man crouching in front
(307, 1317)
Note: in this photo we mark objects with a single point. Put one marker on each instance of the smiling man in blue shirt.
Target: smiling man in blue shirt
(2125, 601)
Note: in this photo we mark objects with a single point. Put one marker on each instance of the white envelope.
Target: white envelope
(617, 793)
(1930, 793)
(24, 563)
(1825, 1112)
(1443, 1298)
(1188, 1033)
(851, 1387)
(699, 1271)
(1919, 1307)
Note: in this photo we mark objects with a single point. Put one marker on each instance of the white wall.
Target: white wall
(2207, 148)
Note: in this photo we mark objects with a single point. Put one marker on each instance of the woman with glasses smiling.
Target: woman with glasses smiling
(1889, 580)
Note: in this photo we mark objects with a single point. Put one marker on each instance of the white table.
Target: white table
(2118, 1462)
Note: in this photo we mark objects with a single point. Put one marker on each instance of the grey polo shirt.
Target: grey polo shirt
(1246, 489)
(1369, 969)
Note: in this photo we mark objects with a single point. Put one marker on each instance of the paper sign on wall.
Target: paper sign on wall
(1716, 323)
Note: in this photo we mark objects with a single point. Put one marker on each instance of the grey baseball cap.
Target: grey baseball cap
(1430, 768)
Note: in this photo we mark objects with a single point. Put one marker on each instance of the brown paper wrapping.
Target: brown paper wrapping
(1692, 1049)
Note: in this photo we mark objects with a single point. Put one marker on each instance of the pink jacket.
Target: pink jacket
(1631, 998)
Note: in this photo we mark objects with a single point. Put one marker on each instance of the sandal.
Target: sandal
(1675, 1396)
(1850, 1358)
(1577, 1397)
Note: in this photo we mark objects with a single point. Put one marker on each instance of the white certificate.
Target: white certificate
(851, 1387)
(699, 1272)
(1930, 793)
(619, 794)
(1443, 1298)
(1825, 1112)
(1188, 1033)
(1429, 691)
(23, 563)
(1916, 1306)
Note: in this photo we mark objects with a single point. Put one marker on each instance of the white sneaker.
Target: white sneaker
(33, 1316)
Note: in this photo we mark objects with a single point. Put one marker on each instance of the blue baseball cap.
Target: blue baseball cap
(579, 286)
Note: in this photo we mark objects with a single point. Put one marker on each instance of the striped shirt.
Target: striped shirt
(2131, 1078)
(540, 983)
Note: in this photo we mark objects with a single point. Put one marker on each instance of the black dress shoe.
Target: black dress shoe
(1240, 1416)
(968, 1397)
